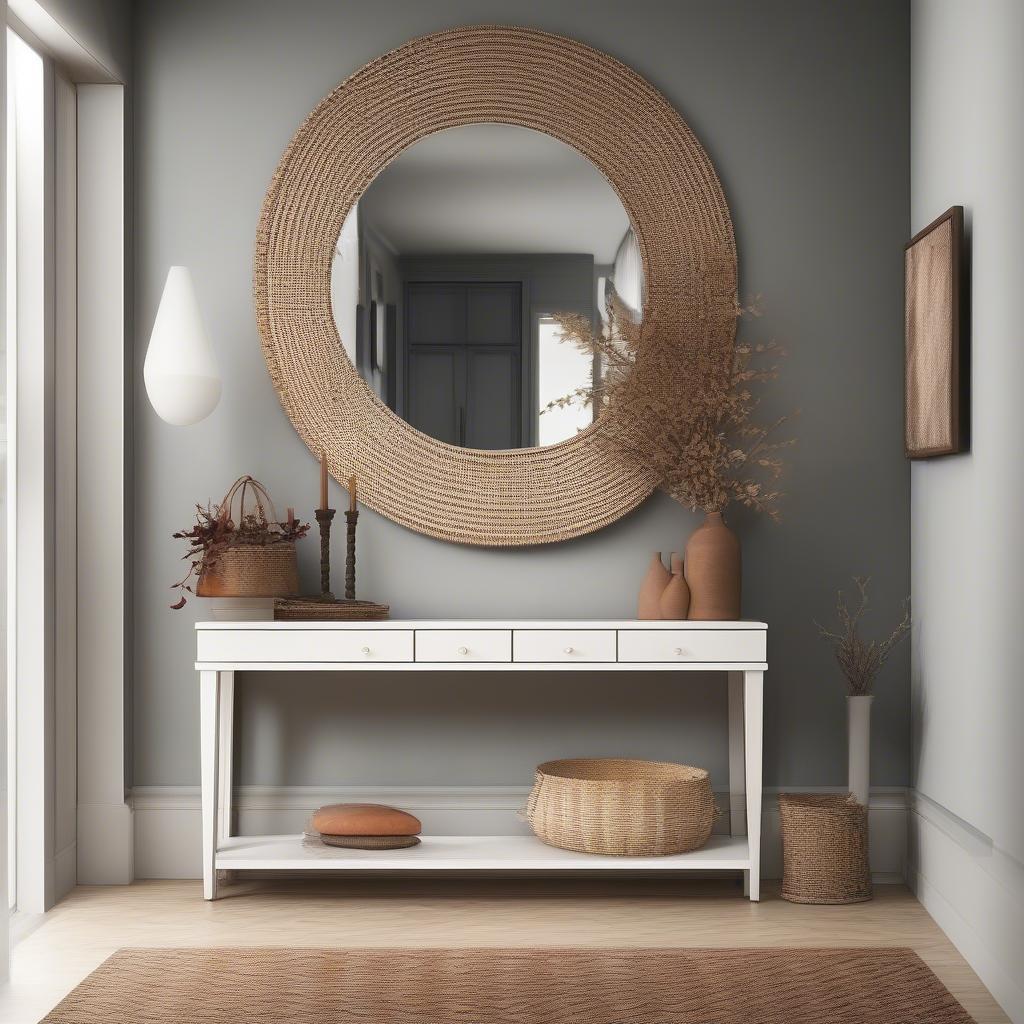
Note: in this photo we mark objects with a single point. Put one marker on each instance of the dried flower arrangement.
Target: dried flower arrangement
(215, 531)
(859, 660)
(690, 426)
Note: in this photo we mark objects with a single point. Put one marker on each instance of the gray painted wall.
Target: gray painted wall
(803, 107)
(966, 843)
(968, 149)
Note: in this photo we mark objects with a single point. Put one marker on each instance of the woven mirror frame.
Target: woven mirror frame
(485, 74)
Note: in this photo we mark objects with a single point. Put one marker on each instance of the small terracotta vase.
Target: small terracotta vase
(675, 598)
(656, 580)
(713, 571)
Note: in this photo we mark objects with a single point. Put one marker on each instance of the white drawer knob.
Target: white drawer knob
(679, 650)
(463, 650)
(568, 650)
(366, 650)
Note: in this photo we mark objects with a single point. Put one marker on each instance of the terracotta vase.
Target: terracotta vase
(675, 598)
(655, 581)
(713, 570)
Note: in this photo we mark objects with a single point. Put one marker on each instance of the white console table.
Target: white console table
(224, 648)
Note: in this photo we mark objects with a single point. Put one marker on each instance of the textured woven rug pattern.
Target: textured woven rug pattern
(513, 986)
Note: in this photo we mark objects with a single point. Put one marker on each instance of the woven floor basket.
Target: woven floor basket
(621, 807)
(824, 849)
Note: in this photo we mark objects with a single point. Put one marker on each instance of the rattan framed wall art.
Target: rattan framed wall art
(937, 381)
(578, 95)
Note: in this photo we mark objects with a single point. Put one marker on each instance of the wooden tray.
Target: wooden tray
(314, 608)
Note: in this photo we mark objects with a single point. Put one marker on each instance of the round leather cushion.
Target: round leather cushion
(372, 842)
(365, 820)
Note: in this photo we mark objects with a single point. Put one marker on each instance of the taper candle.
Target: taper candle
(323, 481)
(352, 494)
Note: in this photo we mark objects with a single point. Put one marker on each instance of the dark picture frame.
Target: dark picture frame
(936, 350)
(374, 336)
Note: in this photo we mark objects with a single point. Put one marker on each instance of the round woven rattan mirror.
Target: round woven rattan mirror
(486, 74)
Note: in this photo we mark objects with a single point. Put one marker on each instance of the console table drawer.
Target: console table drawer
(712, 645)
(563, 645)
(305, 645)
(453, 645)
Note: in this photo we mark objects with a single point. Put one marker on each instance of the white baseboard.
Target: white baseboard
(65, 871)
(22, 925)
(168, 826)
(975, 892)
(105, 844)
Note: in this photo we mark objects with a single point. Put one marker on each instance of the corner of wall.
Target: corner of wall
(106, 844)
(975, 893)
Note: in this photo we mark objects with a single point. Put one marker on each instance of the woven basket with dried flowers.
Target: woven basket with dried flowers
(248, 555)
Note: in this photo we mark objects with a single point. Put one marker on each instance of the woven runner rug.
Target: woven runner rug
(511, 986)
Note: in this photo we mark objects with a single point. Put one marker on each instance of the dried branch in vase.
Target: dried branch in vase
(859, 660)
(690, 425)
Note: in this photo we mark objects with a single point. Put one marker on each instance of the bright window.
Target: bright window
(562, 368)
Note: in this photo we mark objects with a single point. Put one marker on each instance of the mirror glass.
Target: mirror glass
(451, 273)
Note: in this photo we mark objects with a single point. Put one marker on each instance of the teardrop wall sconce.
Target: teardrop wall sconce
(181, 374)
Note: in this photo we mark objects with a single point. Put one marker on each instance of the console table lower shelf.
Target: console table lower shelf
(466, 853)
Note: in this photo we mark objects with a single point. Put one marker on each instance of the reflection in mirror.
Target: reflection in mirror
(450, 270)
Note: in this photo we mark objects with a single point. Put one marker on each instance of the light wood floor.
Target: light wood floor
(94, 921)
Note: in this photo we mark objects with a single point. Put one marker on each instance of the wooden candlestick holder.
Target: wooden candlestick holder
(324, 517)
(326, 605)
(351, 519)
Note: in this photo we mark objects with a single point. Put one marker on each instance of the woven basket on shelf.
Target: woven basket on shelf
(240, 569)
(621, 807)
(824, 849)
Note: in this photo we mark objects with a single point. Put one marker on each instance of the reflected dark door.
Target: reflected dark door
(464, 346)
(435, 381)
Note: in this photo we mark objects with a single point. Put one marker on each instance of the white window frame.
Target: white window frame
(4, 914)
(54, 762)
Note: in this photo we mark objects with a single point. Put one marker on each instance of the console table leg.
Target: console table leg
(753, 705)
(225, 756)
(737, 781)
(209, 740)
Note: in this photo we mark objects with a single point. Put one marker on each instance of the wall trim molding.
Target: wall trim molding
(105, 847)
(65, 870)
(974, 891)
(290, 797)
(22, 924)
(104, 487)
(302, 797)
(29, 18)
(168, 826)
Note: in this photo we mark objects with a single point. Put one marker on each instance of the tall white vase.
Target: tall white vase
(858, 746)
